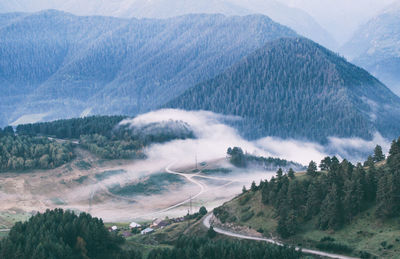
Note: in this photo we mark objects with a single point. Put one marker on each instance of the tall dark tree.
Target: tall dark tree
(312, 169)
(331, 214)
(291, 173)
(325, 164)
(378, 154)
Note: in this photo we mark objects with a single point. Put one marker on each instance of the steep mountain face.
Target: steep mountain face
(294, 88)
(376, 47)
(295, 18)
(56, 65)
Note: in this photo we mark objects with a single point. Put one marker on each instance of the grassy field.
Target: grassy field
(153, 184)
(366, 232)
(9, 218)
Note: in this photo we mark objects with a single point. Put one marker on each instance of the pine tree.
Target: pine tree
(325, 164)
(314, 200)
(331, 214)
(265, 192)
(312, 169)
(291, 173)
(253, 187)
(378, 154)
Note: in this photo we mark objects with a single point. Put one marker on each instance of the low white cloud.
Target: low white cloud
(213, 137)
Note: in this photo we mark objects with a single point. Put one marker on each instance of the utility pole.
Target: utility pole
(191, 204)
(195, 158)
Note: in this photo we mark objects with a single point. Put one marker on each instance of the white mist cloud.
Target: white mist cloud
(213, 137)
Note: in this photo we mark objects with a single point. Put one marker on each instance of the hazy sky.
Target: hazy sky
(340, 17)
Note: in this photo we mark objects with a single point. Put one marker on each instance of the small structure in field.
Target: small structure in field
(146, 231)
(134, 225)
(114, 228)
(156, 222)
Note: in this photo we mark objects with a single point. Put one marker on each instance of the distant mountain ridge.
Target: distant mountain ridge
(295, 88)
(57, 65)
(376, 47)
(295, 18)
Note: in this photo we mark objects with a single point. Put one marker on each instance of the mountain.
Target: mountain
(57, 65)
(295, 88)
(295, 18)
(376, 47)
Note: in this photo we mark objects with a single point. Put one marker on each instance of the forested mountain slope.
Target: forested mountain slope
(60, 65)
(295, 88)
(376, 47)
(297, 19)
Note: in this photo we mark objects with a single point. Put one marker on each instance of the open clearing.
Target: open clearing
(120, 190)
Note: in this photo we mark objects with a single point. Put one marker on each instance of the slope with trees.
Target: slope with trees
(106, 137)
(63, 234)
(19, 153)
(58, 65)
(294, 88)
(239, 158)
(342, 201)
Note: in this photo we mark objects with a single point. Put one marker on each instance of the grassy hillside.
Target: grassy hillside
(365, 233)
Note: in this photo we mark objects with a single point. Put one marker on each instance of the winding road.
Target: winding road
(207, 224)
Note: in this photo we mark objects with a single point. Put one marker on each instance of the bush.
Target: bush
(334, 247)
(327, 239)
(247, 216)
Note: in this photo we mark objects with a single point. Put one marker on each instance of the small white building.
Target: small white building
(146, 231)
(134, 225)
(114, 228)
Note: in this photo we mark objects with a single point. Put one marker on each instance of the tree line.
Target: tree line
(31, 152)
(63, 234)
(240, 159)
(335, 195)
(105, 137)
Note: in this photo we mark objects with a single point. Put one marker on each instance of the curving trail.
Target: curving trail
(206, 223)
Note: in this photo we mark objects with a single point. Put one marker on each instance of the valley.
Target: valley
(212, 129)
(87, 184)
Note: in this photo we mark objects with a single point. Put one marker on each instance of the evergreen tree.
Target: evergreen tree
(331, 214)
(325, 164)
(211, 232)
(378, 154)
(312, 169)
(253, 187)
(291, 173)
(314, 200)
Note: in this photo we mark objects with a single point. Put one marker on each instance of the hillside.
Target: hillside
(376, 47)
(294, 88)
(57, 65)
(298, 20)
(344, 209)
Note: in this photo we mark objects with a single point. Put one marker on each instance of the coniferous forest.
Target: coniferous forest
(334, 196)
(22, 152)
(63, 234)
(32, 146)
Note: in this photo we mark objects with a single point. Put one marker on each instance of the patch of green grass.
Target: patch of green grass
(107, 174)
(263, 217)
(58, 201)
(216, 171)
(153, 184)
(8, 219)
(3, 234)
(81, 179)
(83, 165)
(365, 235)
